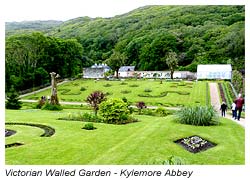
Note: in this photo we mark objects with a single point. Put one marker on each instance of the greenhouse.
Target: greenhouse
(214, 71)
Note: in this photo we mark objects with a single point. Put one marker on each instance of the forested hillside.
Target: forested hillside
(197, 34)
(29, 26)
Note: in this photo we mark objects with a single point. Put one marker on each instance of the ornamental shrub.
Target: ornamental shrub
(52, 107)
(197, 115)
(94, 99)
(114, 111)
(89, 126)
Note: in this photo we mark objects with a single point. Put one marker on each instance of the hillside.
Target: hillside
(197, 34)
(29, 26)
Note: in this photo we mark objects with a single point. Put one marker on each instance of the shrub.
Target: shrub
(114, 111)
(85, 117)
(123, 83)
(52, 107)
(89, 126)
(198, 115)
(237, 81)
(161, 111)
(13, 100)
(83, 89)
(107, 85)
(94, 99)
(134, 85)
(125, 91)
(147, 90)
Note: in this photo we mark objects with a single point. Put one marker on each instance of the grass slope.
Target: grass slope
(149, 141)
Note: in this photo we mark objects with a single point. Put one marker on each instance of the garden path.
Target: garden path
(215, 102)
(34, 92)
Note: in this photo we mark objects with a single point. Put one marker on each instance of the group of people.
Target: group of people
(236, 108)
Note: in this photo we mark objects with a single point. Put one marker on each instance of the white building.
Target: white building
(214, 71)
(126, 71)
(95, 71)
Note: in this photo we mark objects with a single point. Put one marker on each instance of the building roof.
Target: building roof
(214, 67)
(105, 66)
(126, 68)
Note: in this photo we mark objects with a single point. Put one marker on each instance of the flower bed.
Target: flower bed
(195, 144)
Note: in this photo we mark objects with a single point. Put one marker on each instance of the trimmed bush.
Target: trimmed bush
(147, 90)
(107, 85)
(198, 116)
(114, 111)
(134, 85)
(52, 107)
(125, 91)
(89, 126)
(83, 89)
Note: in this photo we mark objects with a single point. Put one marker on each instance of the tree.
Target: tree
(172, 62)
(115, 61)
(94, 99)
(13, 100)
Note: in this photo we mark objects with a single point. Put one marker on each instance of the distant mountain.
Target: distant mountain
(28, 26)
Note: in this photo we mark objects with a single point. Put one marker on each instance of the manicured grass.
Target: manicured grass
(152, 92)
(144, 142)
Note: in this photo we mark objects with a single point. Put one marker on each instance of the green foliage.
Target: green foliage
(51, 107)
(115, 61)
(85, 117)
(89, 126)
(125, 91)
(174, 160)
(147, 90)
(31, 57)
(13, 100)
(142, 37)
(114, 111)
(83, 89)
(237, 81)
(172, 62)
(161, 111)
(197, 115)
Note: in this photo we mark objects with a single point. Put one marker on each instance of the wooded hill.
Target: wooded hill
(197, 34)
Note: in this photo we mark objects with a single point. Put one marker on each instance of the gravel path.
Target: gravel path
(215, 102)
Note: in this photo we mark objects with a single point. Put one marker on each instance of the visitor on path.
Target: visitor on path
(239, 103)
(223, 109)
(233, 107)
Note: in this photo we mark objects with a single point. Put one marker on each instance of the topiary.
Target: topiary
(89, 126)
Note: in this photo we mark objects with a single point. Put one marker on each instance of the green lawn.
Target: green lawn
(145, 142)
(167, 94)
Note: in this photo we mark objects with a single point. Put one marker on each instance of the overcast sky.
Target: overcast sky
(23, 10)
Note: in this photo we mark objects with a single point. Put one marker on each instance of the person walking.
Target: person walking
(239, 104)
(233, 107)
(223, 109)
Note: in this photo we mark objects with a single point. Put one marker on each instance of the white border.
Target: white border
(200, 172)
